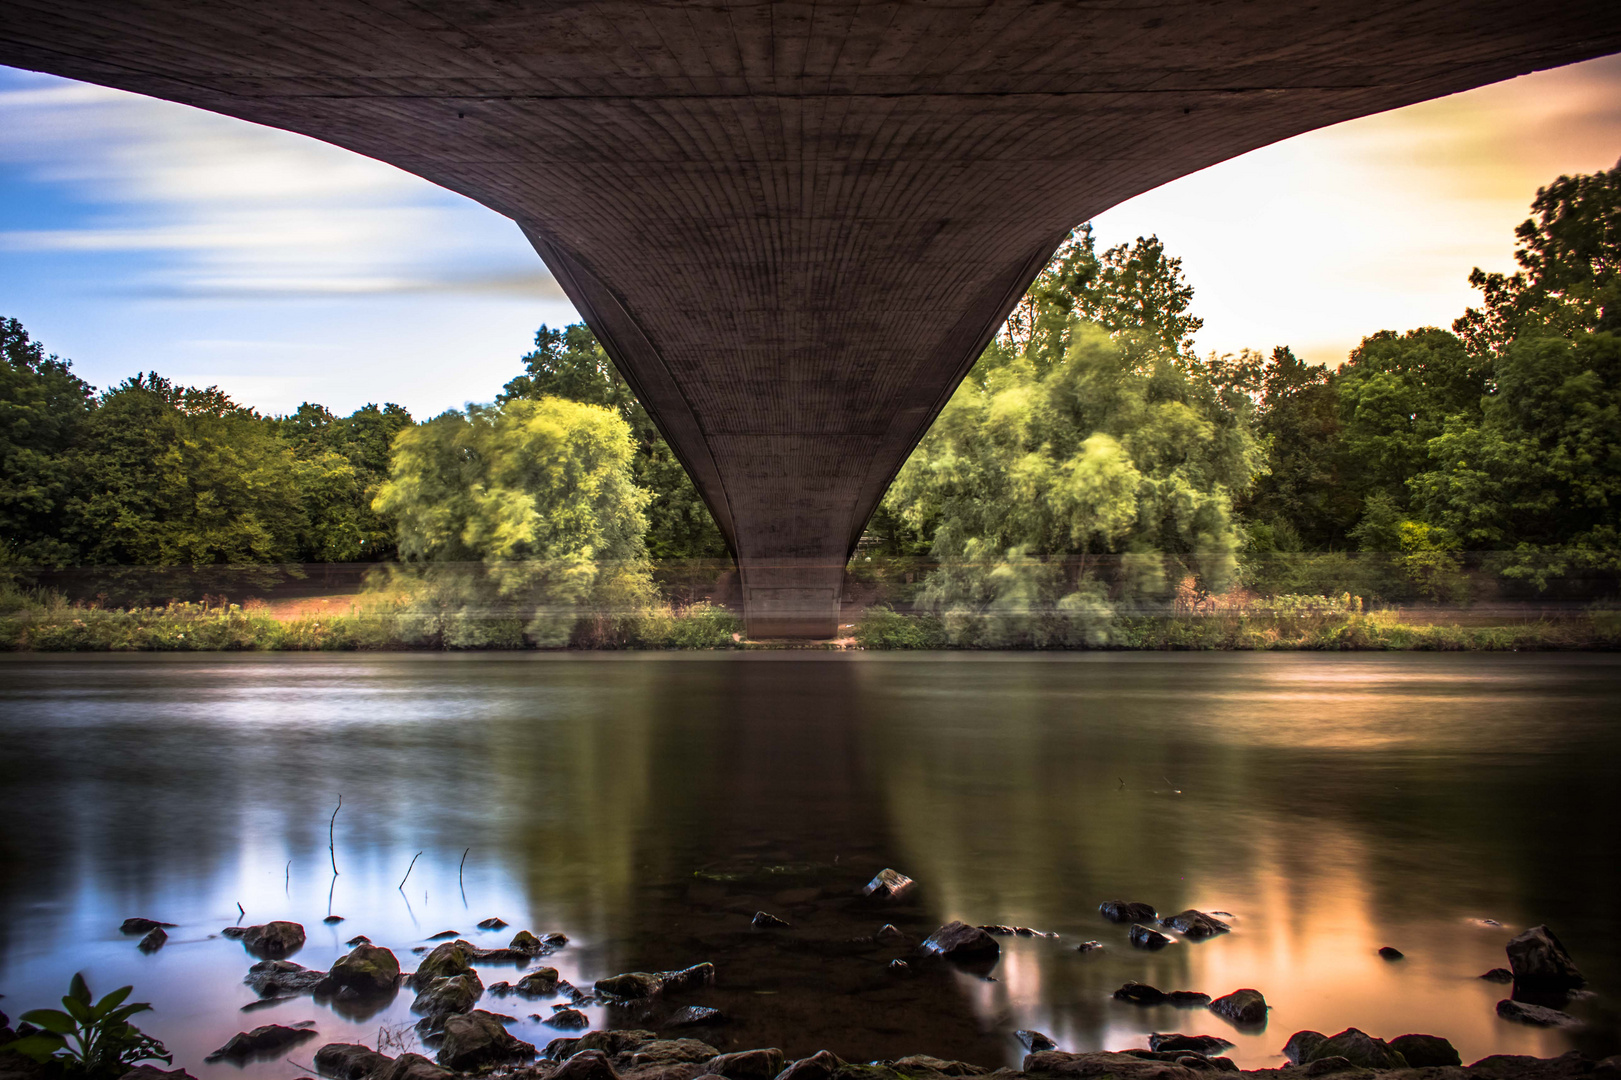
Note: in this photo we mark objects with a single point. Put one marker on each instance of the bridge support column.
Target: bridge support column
(797, 598)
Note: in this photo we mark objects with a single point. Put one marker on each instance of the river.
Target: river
(648, 805)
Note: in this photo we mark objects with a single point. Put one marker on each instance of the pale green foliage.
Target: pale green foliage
(1034, 471)
(521, 519)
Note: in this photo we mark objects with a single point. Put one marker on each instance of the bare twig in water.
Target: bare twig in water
(1122, 786)
(287, 877)
(331, 846)
(408, 869)
(240, 914)
(309, 1070)
(459, 883)
(391, 1037)
(330, 889)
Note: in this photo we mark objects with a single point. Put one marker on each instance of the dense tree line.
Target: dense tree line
(1089, 456)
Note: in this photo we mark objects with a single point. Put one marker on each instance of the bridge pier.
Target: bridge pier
(792, 598)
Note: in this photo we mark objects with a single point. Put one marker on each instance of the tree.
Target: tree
(524, 516)
(177, 476)
(43, 406)
(342, 463)
(571, 363)
(1298, 501)
(1569, 279)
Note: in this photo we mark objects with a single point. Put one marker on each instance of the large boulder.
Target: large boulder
(274, 978)
(263, 1041)
(1537, 958)
(1195, 924)
(1523, 1012)
(350, 1061)
(669, 1052)
(959, 941)
(1241, 1008)
(1303, 1046)
(821, 1065)
(887, 883)
(1424, 1051)
(413, 1067)
(1127, 911)
(445, 961)
(637, 985)
(478, 1039)
(368, 970)
(746, 1065)
(273, 940)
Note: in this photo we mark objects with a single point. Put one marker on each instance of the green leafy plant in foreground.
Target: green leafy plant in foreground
(90, 1040)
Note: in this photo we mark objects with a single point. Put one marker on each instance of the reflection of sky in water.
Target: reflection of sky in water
(1333, 804)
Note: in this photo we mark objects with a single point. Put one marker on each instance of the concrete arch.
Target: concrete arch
(795, 225)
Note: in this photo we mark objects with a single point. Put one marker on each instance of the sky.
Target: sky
(141, 235)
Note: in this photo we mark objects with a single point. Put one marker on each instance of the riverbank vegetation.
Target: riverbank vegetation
(1092, 483)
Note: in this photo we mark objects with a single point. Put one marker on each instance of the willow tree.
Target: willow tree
(516, 522)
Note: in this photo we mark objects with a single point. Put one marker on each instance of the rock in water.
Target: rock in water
(539, 983)
(1522, 1012)
(764, 920)
(586, 1065)
(1360, 1049)
(1145, 938)
(1303, 1046)
(493, 924)
(358, 939)
(1386, 952)
(446, 997)
(694, 1015)
(1242, 1008)
(413, 1067)
(445, 961)
(1089, 946)
(666, 1052)
(555, 940)
(819, 1066)
(1127, 911)
(350, 1061)
(143, 926)
(1188, 999)
(1198, 1044)
(959, 941)
(235, 933)
(568, 1020)
(1196, 924)
(1537, 958)
(333, 920)
(273, 940)
(272, 977)
(636, 985)
(1425, 1051)
(887, 883)
(478, 1039)
(369, 971)
(1035, 1041)
(153, 941)
(270, 1039)
(1499, 975)
(1140, 994)
(745, 1065)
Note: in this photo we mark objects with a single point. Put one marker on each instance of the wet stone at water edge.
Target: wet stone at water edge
(887, 883)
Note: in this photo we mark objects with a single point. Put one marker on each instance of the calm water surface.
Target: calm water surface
(647, 806)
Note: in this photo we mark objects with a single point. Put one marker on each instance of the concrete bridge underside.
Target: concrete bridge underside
(795, 225)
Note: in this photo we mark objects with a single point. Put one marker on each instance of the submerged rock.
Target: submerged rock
(1242, 1008)
(234, 932)
(693, 1016)
(1537, 958)
(899, 967)
(153, 941)
(1195, 924)
(269, 1039)
(1522, 1012)
(1140, 994)
(1499, 975)
(477, 1040)
(143, 926)
(1127, 911)
(1425, 1051)
(887, 883)
(1035, 1041)
(889, 932)
(764, 920)
(333, 920)
(1387, 953)
(745, 1065)
(273, 940)
(636, 985)
(1188, 999)
(959, 941)
(444, 935)
(273, 977)
(524, 941)
(493, 924)
(1199, 1044)
(1144, 937)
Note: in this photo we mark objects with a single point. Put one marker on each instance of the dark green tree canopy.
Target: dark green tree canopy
(43, 405)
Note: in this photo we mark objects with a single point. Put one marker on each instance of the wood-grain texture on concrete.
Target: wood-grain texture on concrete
(795, 225)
